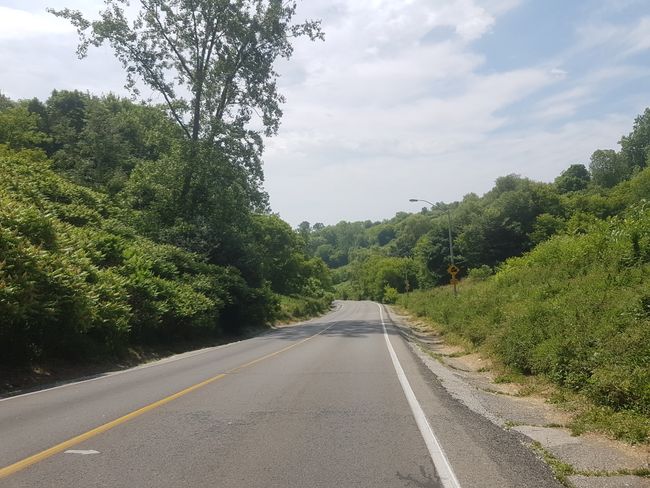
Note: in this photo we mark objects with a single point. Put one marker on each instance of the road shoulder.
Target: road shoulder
(20, 380)
(577, 461)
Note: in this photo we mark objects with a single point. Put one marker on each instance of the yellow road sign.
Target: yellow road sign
(453, 270)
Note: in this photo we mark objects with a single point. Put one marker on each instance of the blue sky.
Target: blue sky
(406, 98)
(553, 31)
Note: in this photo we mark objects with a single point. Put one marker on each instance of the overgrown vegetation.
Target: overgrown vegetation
(125, 223)
(575, 309)
(77, 281)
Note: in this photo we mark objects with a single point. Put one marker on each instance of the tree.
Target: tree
(635, 147)
(5, 102)
(19, 128)
(576, 177)
(385, 234)
(280, 252)
(608, 168)
(304, 230)
(212, 62)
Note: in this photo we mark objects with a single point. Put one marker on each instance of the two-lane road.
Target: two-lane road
(337, 402)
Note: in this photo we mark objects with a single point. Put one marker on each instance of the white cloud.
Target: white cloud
(369, 113)
(562, 105)
(639, 38)
(584, 90)
(620, 39)
(397, 102)
(16, 24)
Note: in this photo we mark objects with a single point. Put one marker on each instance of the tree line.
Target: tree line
(376, 259)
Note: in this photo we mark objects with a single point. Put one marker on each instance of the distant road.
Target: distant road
(336, 402)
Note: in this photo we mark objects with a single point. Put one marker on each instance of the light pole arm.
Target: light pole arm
(451, 242)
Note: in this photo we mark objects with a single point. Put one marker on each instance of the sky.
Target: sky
(428, 99)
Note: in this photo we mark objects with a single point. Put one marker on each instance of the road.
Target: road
(339, 401)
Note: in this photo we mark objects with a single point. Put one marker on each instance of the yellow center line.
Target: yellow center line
(35, 458)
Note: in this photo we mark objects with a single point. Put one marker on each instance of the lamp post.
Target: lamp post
(451, 244)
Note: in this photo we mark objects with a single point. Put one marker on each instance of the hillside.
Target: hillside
(412, 249)
(98, 253)
(576, 310)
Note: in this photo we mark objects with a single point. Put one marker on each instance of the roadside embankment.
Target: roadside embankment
(522, 406)
(37, 375)
(574, 312)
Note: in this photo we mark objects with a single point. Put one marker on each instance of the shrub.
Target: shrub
(390, 294)
(575, 309)
(481, 273)
(76, 281)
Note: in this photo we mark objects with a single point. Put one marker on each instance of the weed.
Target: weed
(561, 470)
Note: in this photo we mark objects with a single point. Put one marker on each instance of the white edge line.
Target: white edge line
(159, 362)
(109, 374)
(440, 461)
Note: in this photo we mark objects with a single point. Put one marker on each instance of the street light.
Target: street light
(451, 244)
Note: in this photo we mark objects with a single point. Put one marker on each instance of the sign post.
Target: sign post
(453, 271)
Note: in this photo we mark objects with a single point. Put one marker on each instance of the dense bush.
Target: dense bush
(76, 281)
(576, 309)
(299, 307)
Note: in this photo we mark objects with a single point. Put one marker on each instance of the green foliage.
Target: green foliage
(481, 273)
(296, 307)
(168, 238)
(608, 168)
(75, 281)
(574, 309)
(575, 178)
(390, 294)
(19, 129)
(635, 147)
(509, 220)
(627, 425)
(375, 275)
(546, 226)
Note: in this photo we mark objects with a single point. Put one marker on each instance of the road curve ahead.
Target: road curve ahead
(340, 401)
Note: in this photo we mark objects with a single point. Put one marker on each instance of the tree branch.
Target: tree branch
(156, 82)
(171, 44)
(223, 99)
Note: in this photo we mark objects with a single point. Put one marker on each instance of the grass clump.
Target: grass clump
(625, 425)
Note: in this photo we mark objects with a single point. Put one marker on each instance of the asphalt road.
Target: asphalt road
(315, 405)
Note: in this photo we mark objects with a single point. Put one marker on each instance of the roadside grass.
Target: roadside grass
(295, 308)
(573, 314)
(561, 470)
(629, 426)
